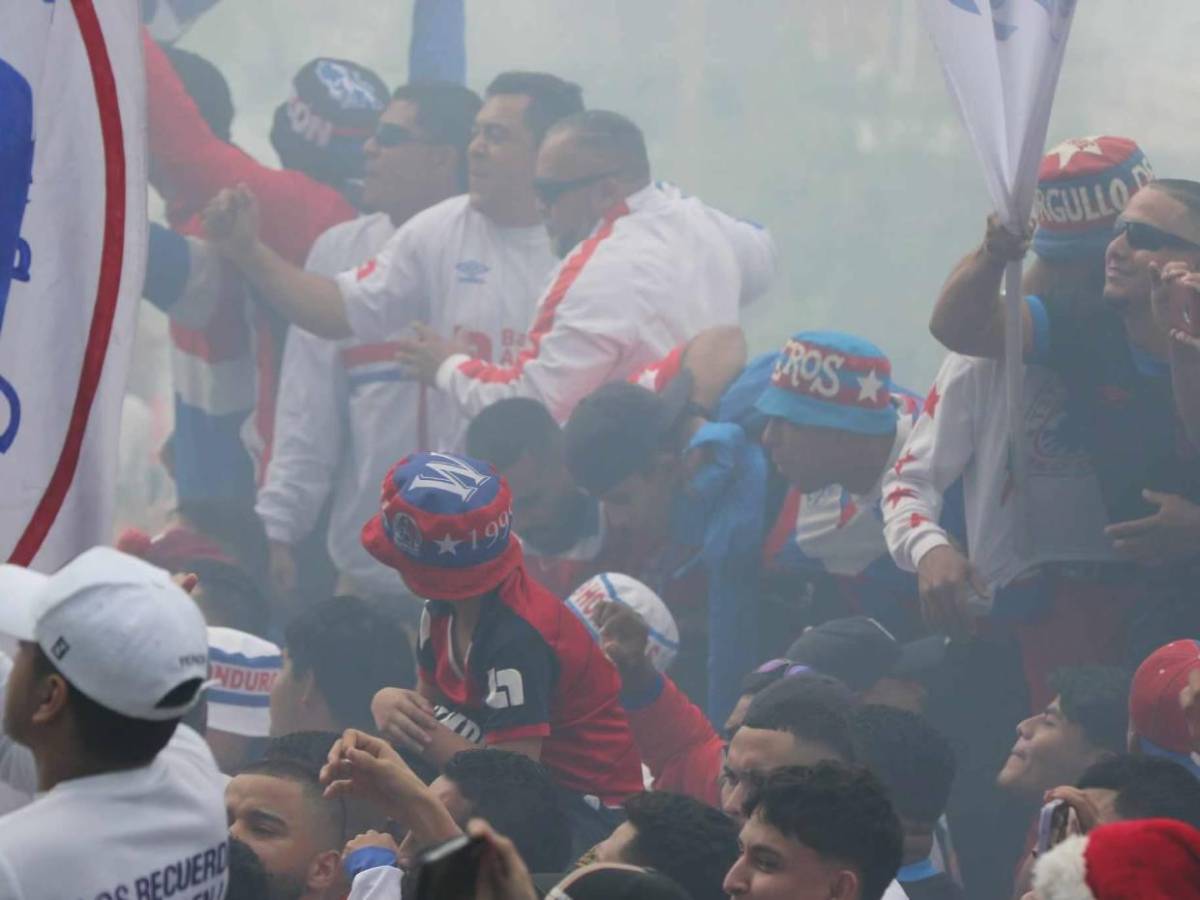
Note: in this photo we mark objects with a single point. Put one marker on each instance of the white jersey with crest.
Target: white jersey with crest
(453, 268)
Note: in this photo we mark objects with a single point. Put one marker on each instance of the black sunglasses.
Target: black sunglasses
(389, 134)
(1142, 236)
(548, 190)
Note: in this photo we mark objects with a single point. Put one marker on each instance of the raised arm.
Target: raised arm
(307, 300)
(969, 315)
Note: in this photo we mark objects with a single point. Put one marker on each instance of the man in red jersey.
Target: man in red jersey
(502, 660)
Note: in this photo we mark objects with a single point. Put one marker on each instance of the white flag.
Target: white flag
(1001, 59)
(72, 260)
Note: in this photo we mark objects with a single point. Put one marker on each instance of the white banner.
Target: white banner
(1001, 59)
(72, 260)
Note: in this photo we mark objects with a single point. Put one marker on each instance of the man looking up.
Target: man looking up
(644, 269)
(342, 404)
(1085, 722)
(471, 267)
(111, 656)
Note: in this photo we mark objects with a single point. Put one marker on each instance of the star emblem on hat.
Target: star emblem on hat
(1067, 150)
(868, 388)
(448, 545)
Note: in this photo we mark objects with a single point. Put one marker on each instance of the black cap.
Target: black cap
(617, 429)
(858, 651)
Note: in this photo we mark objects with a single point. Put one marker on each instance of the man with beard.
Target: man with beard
(277, 807)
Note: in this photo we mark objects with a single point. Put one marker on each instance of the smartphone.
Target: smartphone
(449, 871)
(1053, 825)
(1183, 308)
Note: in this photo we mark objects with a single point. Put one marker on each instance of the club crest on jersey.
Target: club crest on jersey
(405, 534)
(448, 473)
(471, 271)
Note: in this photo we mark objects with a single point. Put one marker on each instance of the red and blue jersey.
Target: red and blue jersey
(533, 671)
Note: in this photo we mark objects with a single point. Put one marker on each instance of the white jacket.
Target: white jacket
(963, 433)
(345, 412)
(656, 271)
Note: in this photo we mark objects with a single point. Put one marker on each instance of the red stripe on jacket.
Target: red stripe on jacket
(492, 374)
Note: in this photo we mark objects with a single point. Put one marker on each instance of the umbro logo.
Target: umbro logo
(60, 648)
(471, 271)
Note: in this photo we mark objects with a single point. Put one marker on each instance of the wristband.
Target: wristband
(368, 858)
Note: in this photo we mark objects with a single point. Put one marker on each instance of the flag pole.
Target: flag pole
(1014, 384)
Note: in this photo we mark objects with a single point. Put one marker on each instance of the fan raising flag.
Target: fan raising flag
(1001, 59)
(72, 258)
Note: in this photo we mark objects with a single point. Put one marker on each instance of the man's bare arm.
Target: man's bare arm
(969, 315)
(715, 357)
(312, 302)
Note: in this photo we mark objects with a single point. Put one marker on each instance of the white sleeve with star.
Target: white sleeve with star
(937, 452)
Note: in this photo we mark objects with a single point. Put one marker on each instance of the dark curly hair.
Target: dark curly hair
(912, 759)
(1147, 788)
(1096, 698)
(839, 812)
(684, 839)
(518, 798)
(354, 648)
(809, 707)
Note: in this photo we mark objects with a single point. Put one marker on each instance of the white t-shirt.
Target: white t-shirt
(450, 266)
(154, 832)
(346, 411)
(963, 432)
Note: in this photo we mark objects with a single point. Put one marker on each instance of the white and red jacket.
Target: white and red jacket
(962, 432)
(346, 411)
(453, 268)
(658, 269)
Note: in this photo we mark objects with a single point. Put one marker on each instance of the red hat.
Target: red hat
(1143, 859)
(1155, 712)
(445, 525)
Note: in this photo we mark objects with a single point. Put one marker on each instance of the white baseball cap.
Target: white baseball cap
(663, 643)
(243, 668)
(118, 629)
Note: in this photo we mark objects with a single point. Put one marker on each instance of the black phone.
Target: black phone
(449, 871)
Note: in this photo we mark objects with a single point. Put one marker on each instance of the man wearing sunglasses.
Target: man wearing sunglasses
(342, 403)
(471, 266)
(644, 269)
(1111, 353)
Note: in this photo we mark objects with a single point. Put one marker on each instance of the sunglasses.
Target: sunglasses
(388, 134)
(549, 190)
(1142, 236)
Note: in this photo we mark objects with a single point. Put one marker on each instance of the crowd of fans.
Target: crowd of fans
(611, 609)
